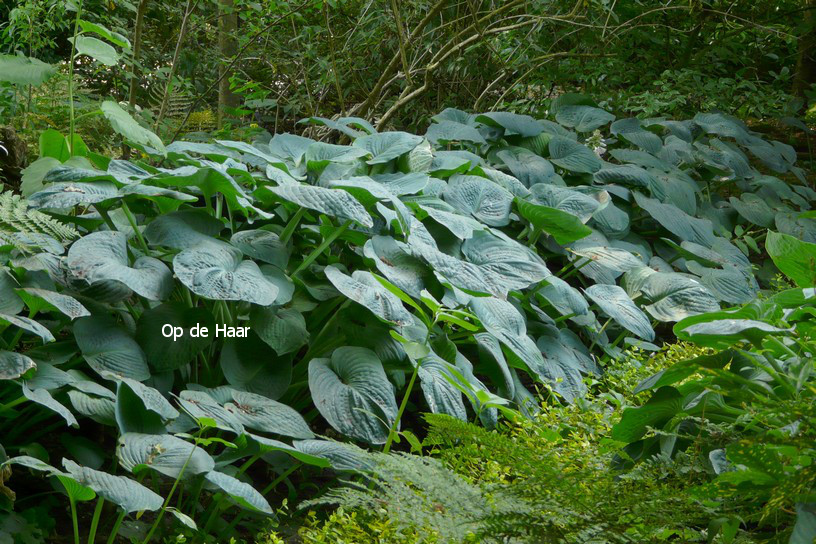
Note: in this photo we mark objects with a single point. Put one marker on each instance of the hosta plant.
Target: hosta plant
(349, 286)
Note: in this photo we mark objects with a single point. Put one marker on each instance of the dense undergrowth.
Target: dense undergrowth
(494, 263)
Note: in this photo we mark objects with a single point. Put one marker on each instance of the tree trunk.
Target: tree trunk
(806, 60)
(228, 48)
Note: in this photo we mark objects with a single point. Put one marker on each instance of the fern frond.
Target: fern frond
(22, 225)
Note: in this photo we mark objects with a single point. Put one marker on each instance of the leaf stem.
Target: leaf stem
(95, 521)
(322, 247)
(393, 431)
(134, 226)
(292, 225)
(115, 528)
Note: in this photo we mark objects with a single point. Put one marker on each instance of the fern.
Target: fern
(22, 227)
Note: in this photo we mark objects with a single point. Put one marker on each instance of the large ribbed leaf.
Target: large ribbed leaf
(512, 123)
(250, 364)
(385, 146)
(363, 288)
(353, 394)
(164, 453)
(110, 349)
(616, 304)
(671, 296)
(68, 195)
(754, 208)
(509, 262)
(436, 381)
(262, 245)
(44, 300)
(526, 166)
(263, 414)
(13, 365)
(567, 300)
(447, 131)
(572, 156)
(583, 118)
(242, 493)
(283, 329)
(102, 256)
(334, 202)
(20, 70)
(479, 197)
(795, 258)
(568, 200)
(320, 154)
(183, 229)
(29, 325)
(631, 130)
(127, 494)
(218, 273)
(678, 222)
(394, 261)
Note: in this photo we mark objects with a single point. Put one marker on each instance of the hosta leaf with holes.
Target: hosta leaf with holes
(108, 348)
(334, 202)
(479, 197)
(363, 288)
(163, 453)
(352, 392)
(263, 414)
(241, 492)
(385, 146)
(127, 494)
(102, 256)
(219, 273)
(616, 304)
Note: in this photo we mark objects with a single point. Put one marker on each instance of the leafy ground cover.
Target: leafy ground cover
(463, 272)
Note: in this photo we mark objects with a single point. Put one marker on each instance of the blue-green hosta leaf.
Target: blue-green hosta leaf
(129, 129)
(290, 147)
(512, 123)
(363, 288)
(96, 49)
(526, 166)
(263, 414)
(13, 365)
(102, 256)
(403, 184)
(353, 394)
(566, 299)
(344, 124)
(448, 131)
(570, 362)
(266, 445)
(183, 229)
(283, 329)
(368, 191)
(320, 154)
(262, 245)
(43, 398)
(612, 221)
(151, 398)
(507, 181)
(219, 273)
(577, 203)
(722, 125)
(49, 377)
(583, 118)
(242, 493)
(563, 226)
(671, 296)
(68, 195)
(394, 260)
(341, 455)
(334, 202)
(507, 260)
(801, 227)
(108, 348)
(479, 197)
(795, 258)
(199, 404)
(28, 325)
(163, 453)
(632, 131)
(490, 347)
(250, 363)
(460, 226)
(572, 156)
(754, 209)
(100, 409)
(628, 175)
(125, 493)
(731, 284)
(385, 146)
(600, 260)
(676, 221)
(616, 304)
(44, 300)
(804, 530)
(436, 382)
(10, 301)
(722, 333)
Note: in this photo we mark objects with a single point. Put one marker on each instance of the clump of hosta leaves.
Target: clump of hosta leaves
(346, 287)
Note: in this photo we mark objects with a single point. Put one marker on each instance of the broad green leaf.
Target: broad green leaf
(218, 273)
(283, 329)
(168, 353)
(13, 365)
(632, 131)
(110, 349)
(394, 260)
(96, 49)
(103, 256)
(101, 30)
(125, 493)
(436, 381)
(664, 404)
(341, 455)
(264, 414)
(723, 333)
(528, 167)
(334, 202)
(164, 453)
(44, 300)
(754, 209)
(262, 245)
(68, 195)
(479, 197)
(20, 70)
(512, 123)
(795, 258)
(10, 301)
(352, 392)
(199, 404)
(28, 325)
(616, 304)
(183, 229)
(676, 221)
(320, 154)
(563, 226)
(671, 296)
(583, 118)
(127, 127)
(447, 131)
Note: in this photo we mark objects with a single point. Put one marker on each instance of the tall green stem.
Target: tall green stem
(393, 430)
(95, 521)
(71, 78)
(74, 518)
(322, 247)
(115, 528)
